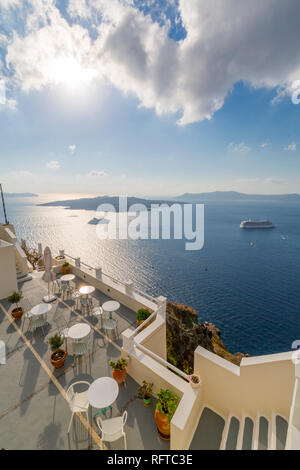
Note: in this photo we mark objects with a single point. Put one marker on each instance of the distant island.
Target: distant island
(91, 204)
(235, 196)
(20, 195)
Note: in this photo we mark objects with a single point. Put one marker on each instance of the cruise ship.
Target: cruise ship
(256, 224)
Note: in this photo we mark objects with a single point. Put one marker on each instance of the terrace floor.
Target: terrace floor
(34, 413)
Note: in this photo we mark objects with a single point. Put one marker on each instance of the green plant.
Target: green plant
(120, 364)
(167, 403)
(146, 390)
(56, 342)
(15, 298)
(66, 264)
(195, 379)
(142, 314)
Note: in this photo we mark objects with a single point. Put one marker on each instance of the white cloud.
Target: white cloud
(258, 182)
(5, 102)
(265, 144)
(97, 173)
(274, 181)
(54, 54)
(53, 165)
(291, 147)
(72, 148)
(240, 148)
(3, 40)
(6, 4)
(226, 41)
(79, 9)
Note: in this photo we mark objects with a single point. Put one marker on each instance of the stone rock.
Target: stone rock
(185, 333)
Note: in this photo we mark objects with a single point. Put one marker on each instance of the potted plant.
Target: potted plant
(15, 298)
(58, 355)
(195, 381)
(146, 390)
(165, 409)
(141, 315)
(65, 268)
(119, 370)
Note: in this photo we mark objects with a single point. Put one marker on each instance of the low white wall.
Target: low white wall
(114, 290)
(260, 385)
(142, 366)
(153, 337)
(7, 233)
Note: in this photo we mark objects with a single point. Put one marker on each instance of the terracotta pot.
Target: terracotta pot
(193, 384)
(147, 401)
(58, 364)
(139, 322)
(119, 376)
(65, 270)
(163, 425)
(17, 312)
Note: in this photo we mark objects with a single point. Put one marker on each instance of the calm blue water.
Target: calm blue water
(251, 293)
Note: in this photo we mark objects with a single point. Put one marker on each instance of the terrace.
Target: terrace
(254, 406)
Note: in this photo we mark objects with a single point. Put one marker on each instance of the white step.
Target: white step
(230, 433)
(272, 441)
(279, 432)
(258, 434)
(241, 433)
(225, 433)
(261, 433)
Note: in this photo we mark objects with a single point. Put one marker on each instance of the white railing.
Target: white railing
(144, 294)
(152, 354)
(113, 279)
(161, 360)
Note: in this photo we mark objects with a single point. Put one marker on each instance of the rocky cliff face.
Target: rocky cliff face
(185, 333)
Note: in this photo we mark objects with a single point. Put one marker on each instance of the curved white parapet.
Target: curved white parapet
(293, 435)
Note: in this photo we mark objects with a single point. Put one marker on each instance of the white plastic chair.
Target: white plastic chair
(76, 297)
(37, 321)
(57, 285)
(97, 312)
(109, 324)
(79, 348)
(78, 402)
(86, 305)
(112, 429)
(62, 327)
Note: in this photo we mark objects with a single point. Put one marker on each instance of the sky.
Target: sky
(149, 97)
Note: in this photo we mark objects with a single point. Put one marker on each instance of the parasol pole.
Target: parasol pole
(3, 204)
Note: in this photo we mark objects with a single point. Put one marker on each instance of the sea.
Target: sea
(246, 282)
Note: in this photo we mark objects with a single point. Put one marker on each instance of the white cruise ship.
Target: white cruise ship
(256, 224)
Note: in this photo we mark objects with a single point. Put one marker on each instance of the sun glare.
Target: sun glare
(69, 72)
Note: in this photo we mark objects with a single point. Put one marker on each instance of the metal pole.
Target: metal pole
(3, 204)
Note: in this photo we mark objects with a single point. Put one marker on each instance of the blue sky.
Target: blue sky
(139, 98)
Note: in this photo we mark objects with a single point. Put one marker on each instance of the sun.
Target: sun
(68, 71)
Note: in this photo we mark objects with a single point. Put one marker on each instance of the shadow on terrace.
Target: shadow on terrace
(34, 411)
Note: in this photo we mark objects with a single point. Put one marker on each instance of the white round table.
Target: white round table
(79, 331)
(86, 290)
(40, 309)
(103, 392)
(67, 277)
(111, 306)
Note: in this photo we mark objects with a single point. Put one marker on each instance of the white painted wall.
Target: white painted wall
(7, 233)
(8, 275)
(261, 384)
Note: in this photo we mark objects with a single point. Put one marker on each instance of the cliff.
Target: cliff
(185, 333)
